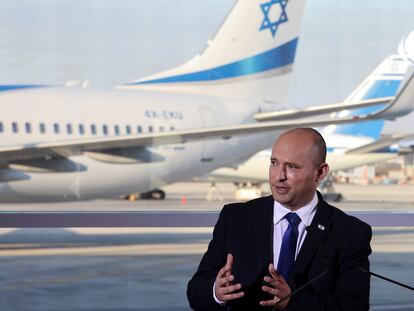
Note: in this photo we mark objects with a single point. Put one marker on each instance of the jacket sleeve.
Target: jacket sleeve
(351, 285)
(200, 287)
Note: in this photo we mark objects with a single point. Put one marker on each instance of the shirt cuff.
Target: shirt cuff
(215, 297)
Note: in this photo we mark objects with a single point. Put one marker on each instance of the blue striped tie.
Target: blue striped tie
(288, 248)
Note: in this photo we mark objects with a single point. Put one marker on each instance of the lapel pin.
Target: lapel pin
(321, 227)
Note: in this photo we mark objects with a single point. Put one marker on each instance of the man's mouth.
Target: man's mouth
(282, 189)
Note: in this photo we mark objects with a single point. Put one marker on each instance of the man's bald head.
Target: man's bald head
(297, 166)
(318, 145)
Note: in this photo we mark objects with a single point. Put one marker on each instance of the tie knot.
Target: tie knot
(293, 219)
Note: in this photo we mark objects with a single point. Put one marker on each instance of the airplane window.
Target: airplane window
(81, 129)
(15, 127)
(172, 128)
(116, 129)
(69, 128)
(28, 127)
(105, 129)
(56, 128)
(128, 129)
(161, 129)
(93, 129)
(1, 127)
(42, 128)
(150, 128)
(139, 129)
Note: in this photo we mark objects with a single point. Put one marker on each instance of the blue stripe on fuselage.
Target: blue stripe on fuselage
(13, 87)
(278, 57)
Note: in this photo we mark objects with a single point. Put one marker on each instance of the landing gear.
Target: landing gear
(247, 191)
(156, 194)
(328, 191)
(213, 193)
(131, 197)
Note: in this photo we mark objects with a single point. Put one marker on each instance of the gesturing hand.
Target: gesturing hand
(224, 289)
(278, 288)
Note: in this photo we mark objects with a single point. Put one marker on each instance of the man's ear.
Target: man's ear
(323, 171)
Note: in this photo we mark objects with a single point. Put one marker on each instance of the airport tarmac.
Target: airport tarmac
(193, 196)
(148, 268)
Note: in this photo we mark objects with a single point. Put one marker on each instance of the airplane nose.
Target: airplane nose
(406, 47)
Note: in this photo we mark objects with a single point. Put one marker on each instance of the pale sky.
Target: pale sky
(111, 42)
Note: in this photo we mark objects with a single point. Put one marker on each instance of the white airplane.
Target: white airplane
(61, 143)
(349, 145)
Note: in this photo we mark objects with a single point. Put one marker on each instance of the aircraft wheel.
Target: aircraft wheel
(156, 194)
(333, 197)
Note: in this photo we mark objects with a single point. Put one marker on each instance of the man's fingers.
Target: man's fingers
(229, 261)
(229, 289)
(270, 290)
(273, 272)
(227, 293)
(224, 288)
(232, 296)
(222, 272)
(277, 287)
(226, 270)
(269, 303)
(273, 292)
(225, 281)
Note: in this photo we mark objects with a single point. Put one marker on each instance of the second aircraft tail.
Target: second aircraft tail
(384, 81)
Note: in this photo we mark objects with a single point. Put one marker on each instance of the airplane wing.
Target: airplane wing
(402, 104)
(399, 105)
(318, 110)
(380, 143)
(404, 100)
(48, 150)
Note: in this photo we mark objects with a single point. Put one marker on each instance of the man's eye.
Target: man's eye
(291, 166)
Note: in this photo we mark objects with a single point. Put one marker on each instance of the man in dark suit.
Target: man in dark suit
(265, 249)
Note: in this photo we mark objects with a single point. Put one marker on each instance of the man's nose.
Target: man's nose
(280, 173)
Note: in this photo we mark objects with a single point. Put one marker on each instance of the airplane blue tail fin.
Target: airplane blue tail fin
(250, 56)
(384, 81)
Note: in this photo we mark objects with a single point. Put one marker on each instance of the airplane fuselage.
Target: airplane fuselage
(57, 114)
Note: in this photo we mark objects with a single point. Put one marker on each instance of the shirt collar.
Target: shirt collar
(279, 211)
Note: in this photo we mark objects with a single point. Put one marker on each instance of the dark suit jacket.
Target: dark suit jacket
(246, 231)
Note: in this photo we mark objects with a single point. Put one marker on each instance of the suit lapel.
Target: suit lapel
(255, 253)
(320, 223)
(263, 236)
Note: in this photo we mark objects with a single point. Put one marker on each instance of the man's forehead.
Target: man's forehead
(297, 140)
(286, 157)
(292, 147)
(286, 153)
(298, 133)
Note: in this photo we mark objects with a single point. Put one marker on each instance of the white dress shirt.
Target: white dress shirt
(305, 213)
(280, 224)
